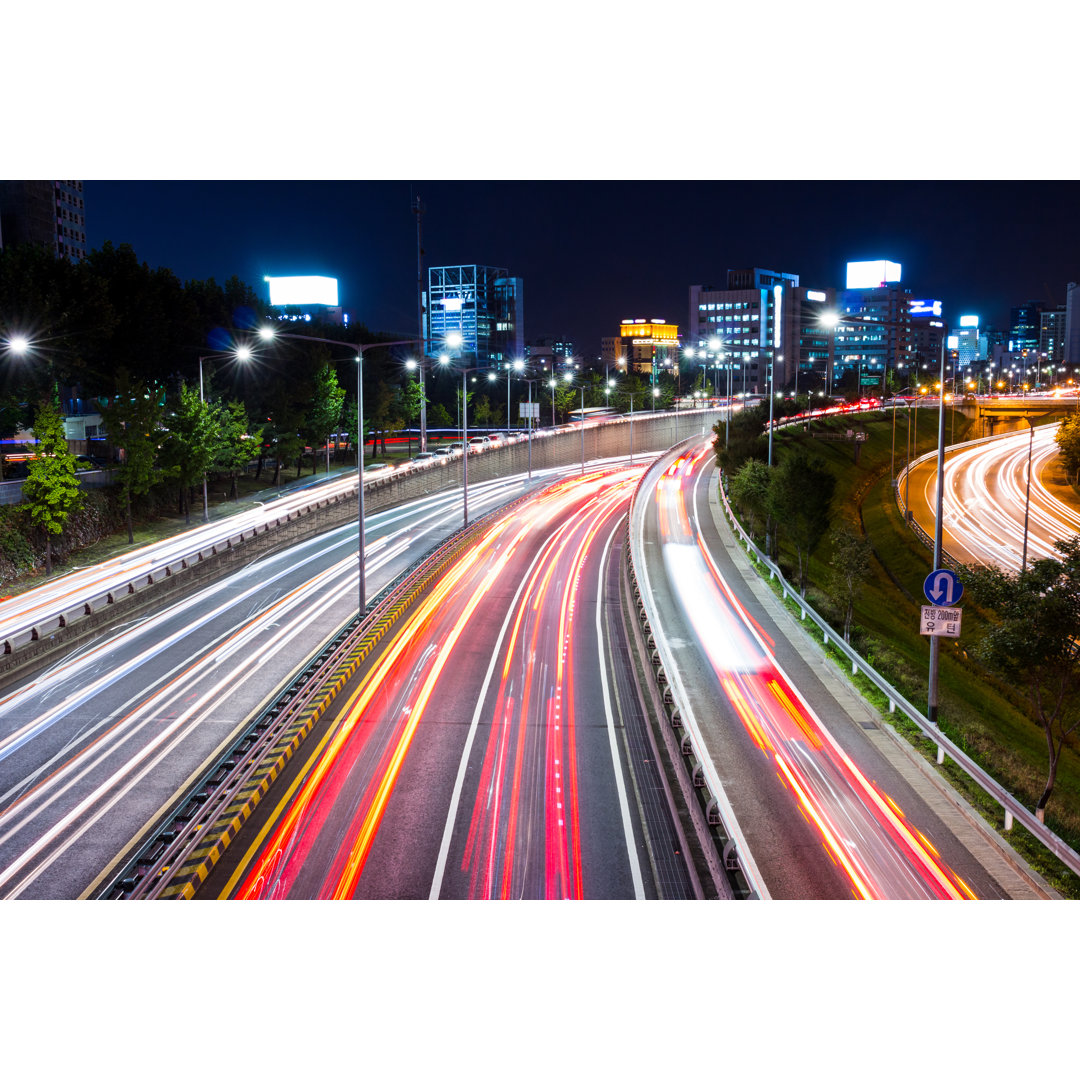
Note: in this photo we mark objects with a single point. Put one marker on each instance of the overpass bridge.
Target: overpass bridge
(999, 414)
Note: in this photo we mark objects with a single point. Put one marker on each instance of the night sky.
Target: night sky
(595, 252)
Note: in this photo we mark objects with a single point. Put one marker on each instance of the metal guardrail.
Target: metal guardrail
(1013, 808)
(719, 817)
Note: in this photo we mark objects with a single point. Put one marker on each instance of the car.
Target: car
(426, 455)
(378, 466)
(444, 453)
(480, 442)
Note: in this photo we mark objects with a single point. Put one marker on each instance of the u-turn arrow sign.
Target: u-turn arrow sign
(942, 588)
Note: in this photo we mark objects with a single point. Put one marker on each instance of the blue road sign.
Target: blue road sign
(942, 588)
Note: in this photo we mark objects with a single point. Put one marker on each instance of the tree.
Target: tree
(800, 494)
(324, 415)
(1033, 642)
(438, 417)
(133, 424)
(1068, 441)
(236, 446)
(850, 564)
(193, 442)
(741, 438)
(749, 490)
(51, 490)
(411, 397)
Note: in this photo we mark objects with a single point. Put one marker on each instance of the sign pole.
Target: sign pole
(932, 700)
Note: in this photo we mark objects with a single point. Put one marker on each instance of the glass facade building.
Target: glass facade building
(484, 304)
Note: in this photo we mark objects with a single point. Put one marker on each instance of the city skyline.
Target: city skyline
(592, 253)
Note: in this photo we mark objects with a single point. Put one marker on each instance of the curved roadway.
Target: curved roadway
(985, 495)
(829, 804)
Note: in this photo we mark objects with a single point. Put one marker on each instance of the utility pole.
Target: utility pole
(418, 210)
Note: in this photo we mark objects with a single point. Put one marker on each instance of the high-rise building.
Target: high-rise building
(1072, 325)
(1052, 335)
(484, 304)
(45, 213)
(1024, 326)
(928, 335)
(874, 332)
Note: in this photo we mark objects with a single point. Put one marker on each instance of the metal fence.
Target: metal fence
(1012, 807)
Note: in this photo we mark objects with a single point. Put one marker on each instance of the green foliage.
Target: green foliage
(1033, 642)
(799, 502)
(324, 414)
(749, 490)
(193, 440)
(438, 417)
(235, 446)
(133, 424)
(851, 567)
(51, 491)
(741, 438)
(1068, 442)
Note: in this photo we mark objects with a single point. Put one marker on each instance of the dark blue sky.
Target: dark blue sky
(594, 252)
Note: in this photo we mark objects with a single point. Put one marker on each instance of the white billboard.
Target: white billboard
(286, 291)
(871, 275)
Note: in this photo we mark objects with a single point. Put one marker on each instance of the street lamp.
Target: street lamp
(268, 333)
(242, 352)
(465, 437)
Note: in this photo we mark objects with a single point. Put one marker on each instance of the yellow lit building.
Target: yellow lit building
(647, 347)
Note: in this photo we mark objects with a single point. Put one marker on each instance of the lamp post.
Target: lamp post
(1027, 498)
(932, 700)
(268, 333)
(530, 418)
(465, 438)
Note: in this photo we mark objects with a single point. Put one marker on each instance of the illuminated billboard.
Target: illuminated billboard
(969, 320)
(871, 275)
(286, 291)
(925, 307)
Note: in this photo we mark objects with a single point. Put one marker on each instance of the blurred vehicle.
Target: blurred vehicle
(424, 456)
(379, 466)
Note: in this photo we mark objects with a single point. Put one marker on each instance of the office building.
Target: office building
(484, 304)
(46, 213)
(928, 336)
(1024, 326)
(873, 336)
(759, 317)
(1052, 324)
(646, 347)
(550, 355)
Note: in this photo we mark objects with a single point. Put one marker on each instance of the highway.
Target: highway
(496, 749)
(94, 747)
(984, 499)
(813, 785)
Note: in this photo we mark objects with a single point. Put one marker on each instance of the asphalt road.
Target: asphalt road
(830, 806)
(93, 749)
(986, 495)
(493, 749)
